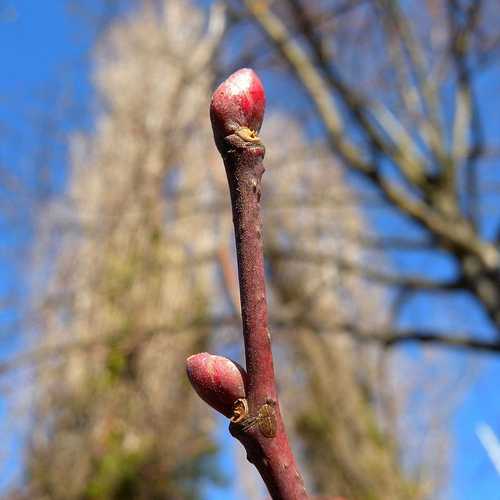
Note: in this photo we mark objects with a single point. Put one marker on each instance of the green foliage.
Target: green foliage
(125, 475)
(116, 364)
(116, 475)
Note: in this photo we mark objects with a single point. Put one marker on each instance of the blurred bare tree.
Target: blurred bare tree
(136, 271)
(397, 89)
(125, 304)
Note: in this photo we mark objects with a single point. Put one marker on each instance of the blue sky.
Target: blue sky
(40, 56)
(44, 52)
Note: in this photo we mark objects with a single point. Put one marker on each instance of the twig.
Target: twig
(236, 112)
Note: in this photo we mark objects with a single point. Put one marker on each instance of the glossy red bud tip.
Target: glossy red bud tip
(238, 102)
(217, 380)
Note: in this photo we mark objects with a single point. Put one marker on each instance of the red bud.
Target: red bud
(217, 380)
(238, 102)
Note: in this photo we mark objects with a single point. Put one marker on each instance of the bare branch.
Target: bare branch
(343, 265)
(458, 235)
(392, 337)
(400, 146)
(313, 82)
(48, 353)
(467, 128)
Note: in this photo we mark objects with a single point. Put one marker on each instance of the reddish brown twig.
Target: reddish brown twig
(236, 111)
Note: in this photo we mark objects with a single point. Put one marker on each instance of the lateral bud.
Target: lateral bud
(219, 381)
